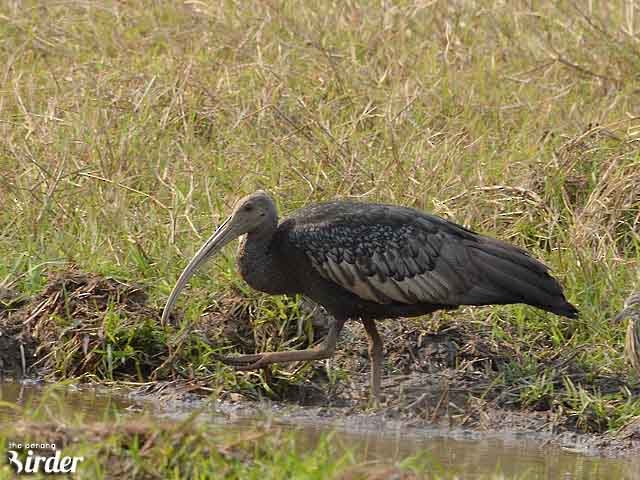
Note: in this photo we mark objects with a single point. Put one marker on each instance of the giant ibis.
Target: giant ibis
(369, 262)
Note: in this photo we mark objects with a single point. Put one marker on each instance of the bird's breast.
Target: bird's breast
(261, 270)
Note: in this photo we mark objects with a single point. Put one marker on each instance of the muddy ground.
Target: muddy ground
(445, 376)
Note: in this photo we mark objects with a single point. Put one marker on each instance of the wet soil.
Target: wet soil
(376, 441)
(443, 377)
(478, 422)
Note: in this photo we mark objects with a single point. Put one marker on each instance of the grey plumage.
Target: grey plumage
(371, 261)
(388, 254)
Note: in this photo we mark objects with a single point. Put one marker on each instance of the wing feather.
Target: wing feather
(395, 275)
(388, 254)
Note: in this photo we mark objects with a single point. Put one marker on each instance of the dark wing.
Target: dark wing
(389, 254)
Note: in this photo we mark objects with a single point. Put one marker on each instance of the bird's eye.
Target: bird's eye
(248, 208)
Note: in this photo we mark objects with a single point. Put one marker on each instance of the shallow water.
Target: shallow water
(470, 458)
(63, 401)
(480, 458)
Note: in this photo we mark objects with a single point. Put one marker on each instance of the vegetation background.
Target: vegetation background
(129, 128)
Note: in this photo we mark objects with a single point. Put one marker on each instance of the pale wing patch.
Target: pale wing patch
(396, 291)
(347, 275)
(338, 273)
(424, 288)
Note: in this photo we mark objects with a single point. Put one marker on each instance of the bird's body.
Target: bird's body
(372, 261)
(375, 261)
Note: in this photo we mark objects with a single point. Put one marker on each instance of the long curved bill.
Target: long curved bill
(223, 235)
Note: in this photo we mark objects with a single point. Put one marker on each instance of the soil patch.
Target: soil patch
(88, 324)
(76, 318)
(15, 344)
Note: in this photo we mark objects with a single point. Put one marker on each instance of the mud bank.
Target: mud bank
(480, 421)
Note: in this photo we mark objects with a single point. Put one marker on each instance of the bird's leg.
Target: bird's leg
(376, 356)
(324, 350)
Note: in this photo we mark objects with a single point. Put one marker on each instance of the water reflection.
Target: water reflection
(510, 457)
(62, 402)
(475, 459)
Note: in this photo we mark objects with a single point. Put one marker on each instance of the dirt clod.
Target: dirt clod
(77, 316)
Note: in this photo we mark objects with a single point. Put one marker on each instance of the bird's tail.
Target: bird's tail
(515, 277)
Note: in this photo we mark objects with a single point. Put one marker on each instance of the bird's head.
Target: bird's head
(631, 308)
(633, 301)
(253, 213)
(631, 312)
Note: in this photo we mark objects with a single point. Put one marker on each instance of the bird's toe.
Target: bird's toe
(242, 362)
(251, 366)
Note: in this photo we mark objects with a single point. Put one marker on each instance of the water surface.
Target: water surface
(470, 458)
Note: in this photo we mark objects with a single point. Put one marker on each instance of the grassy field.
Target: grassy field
(130, 128)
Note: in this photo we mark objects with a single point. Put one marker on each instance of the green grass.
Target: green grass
(188, 450)
(129, 129)
(144, 449)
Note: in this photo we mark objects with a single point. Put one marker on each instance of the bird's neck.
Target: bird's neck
(258, 240)
(258, 262)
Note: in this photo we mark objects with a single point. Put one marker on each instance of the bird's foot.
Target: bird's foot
(375, 402)
(244, 362)
(259, 360)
